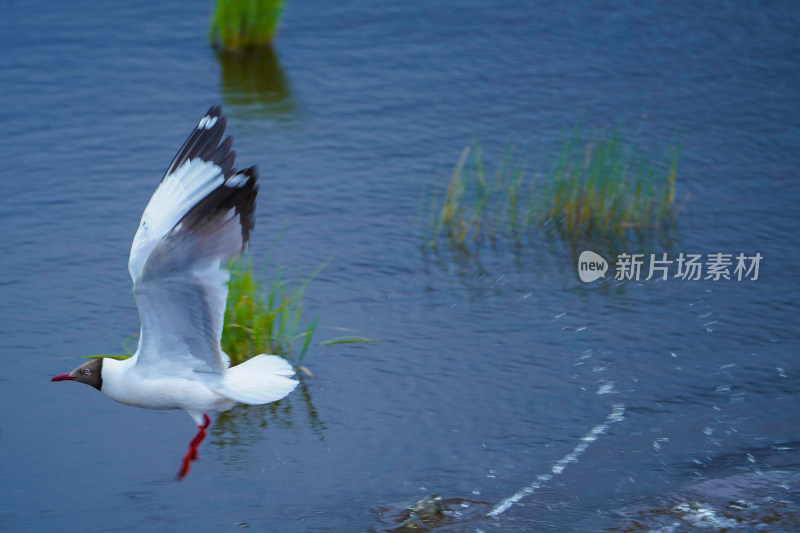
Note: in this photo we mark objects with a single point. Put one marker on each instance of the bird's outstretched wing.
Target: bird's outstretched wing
(198, 219)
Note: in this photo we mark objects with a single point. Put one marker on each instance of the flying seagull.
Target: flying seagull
(199, 218)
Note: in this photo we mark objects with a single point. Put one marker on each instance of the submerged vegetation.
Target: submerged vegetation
(601, 188)
(242, 24)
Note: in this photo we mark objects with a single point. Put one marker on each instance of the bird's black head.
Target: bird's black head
(90, 373)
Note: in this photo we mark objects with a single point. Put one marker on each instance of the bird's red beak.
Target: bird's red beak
(63, 377)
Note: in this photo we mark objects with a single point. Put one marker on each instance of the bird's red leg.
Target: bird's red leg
(201, 435)
(191, 455)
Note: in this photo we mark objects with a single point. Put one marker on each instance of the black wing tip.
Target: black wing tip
(244, 200)
(240, 188)
(238, 192)
(214, 111)
(204, 143)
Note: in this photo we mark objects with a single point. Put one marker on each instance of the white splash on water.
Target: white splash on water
(700, 516)
(616, 415)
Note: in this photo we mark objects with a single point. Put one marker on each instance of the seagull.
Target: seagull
(198, 220)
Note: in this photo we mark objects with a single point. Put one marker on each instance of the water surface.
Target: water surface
(492, 368)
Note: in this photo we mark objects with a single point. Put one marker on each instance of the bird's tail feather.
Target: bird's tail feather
(262, 379)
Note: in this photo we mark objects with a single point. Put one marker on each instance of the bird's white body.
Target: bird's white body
(262, 379)
(198, 219)
(194, 393)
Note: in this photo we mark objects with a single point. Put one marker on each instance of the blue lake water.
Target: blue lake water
(493, 369)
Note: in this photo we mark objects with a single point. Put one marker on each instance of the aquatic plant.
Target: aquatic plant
(242, 24)
(607, 186)
(600, 188)
(269, 318)
(265, 318)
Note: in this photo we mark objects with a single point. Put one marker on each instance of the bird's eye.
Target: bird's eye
(87, 372)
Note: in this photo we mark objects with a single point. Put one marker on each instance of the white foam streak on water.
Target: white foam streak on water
(617, 414)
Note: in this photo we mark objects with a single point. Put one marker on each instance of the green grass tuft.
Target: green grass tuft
(265, 318)
(600, 188)
(269, 318)
(242, 24)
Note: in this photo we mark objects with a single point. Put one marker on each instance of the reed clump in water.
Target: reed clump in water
(241, 24)
(264, 318)
(600, 188)
(268, 318)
